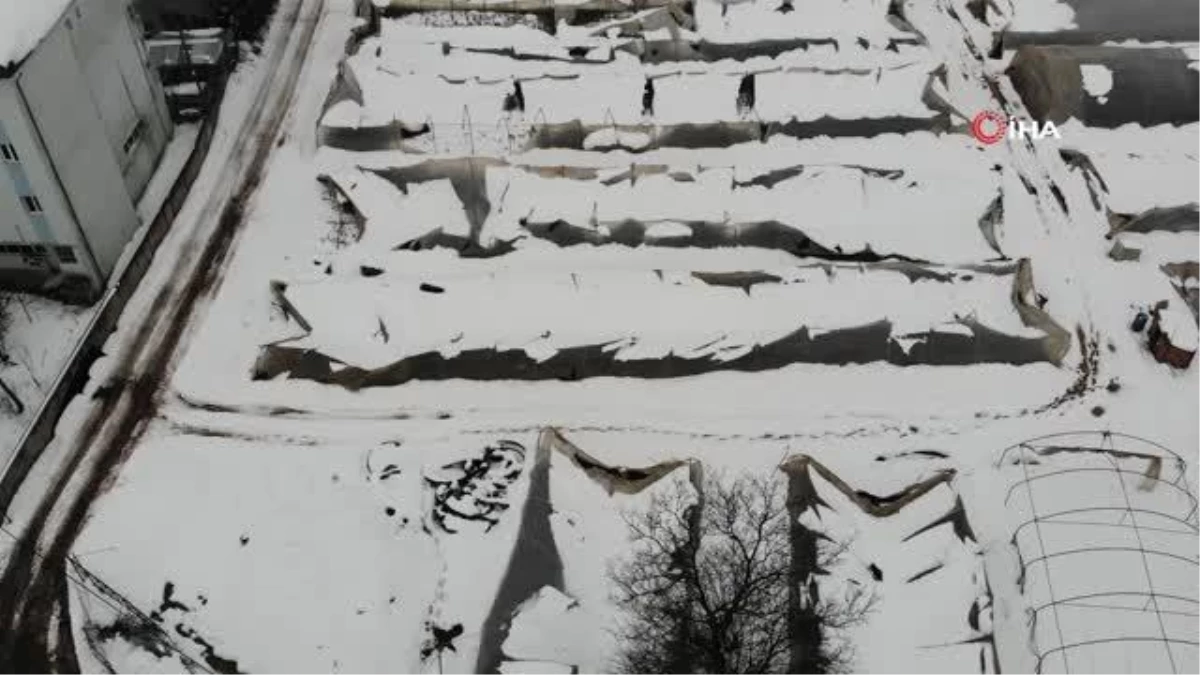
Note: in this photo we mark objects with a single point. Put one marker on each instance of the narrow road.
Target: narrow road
(33, 588)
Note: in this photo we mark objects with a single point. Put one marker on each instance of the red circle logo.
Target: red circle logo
(989, 127)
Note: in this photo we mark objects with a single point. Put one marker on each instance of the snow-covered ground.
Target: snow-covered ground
(378, 520)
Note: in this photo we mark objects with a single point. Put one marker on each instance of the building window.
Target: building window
(25, 249)
(134, 136)
(65, 254)
(34, 254)
(32, 204)
(9, 152)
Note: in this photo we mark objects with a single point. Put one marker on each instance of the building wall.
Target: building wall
(69, 126)
(31, 175)
(94, 123)
(124, 90)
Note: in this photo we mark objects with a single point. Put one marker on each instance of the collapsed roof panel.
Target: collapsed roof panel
(1063, 22)
(1107, 86)
(642, 315)
(617, 98)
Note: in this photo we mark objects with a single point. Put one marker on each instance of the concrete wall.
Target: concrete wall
(93, 121)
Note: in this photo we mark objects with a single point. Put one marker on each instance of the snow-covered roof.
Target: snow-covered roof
(24, 24)
(636, 314)
(684, 97)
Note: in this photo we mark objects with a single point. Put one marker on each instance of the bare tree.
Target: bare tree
(706, 588)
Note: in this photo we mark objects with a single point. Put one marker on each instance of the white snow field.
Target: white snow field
(442, 367)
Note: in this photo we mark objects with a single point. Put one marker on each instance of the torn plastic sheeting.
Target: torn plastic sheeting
(1123, 253)
(1183, 271)
(345, 87)
(392, 7)
(669, 17)
(580, 317)
(357, 138)
(1058, 339)
(466, 175)
(1150, 86)
(1097, 21)
(768, 234)
(573, 135)
(857, 344)
(666, 51)
(798, 466)
(1184, 218)
(625, 480)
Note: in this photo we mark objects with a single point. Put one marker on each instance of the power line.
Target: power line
(127, 608)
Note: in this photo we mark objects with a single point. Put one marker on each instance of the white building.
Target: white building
(83, 123)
